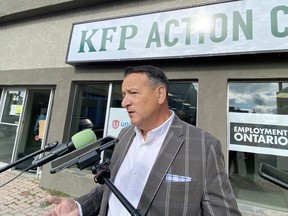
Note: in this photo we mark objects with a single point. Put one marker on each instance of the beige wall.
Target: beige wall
(42, 42)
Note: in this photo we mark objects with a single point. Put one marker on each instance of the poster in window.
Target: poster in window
(259, 133)
(118, 119)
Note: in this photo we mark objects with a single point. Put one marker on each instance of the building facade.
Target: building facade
(226, 60)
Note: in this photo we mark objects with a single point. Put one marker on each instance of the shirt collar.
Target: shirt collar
(162, 129)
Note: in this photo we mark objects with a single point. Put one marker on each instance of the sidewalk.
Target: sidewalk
(23, 196)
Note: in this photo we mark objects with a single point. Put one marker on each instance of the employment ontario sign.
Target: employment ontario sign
(259, 133)
(229, 28)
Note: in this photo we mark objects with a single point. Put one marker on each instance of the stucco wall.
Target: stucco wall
(41, 42)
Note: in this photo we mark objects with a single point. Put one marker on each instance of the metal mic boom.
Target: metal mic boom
(47, 147)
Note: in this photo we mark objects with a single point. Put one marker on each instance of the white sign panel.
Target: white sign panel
(118, 119)
(259, 133)
(217, 29)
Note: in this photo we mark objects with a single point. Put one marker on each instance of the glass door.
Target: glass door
(11, 105)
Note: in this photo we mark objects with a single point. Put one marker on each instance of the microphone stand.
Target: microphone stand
(102, 176)
(47, 147)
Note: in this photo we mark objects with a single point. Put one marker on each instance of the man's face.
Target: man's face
(140, 100)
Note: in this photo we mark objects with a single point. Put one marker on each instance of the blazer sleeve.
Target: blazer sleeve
(91, 202)
(218, 197)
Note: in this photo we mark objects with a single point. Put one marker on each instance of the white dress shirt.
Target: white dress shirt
(136, 166)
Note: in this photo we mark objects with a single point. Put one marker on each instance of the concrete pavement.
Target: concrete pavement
(23, 196)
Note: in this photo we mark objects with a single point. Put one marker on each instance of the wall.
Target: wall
(42, 42)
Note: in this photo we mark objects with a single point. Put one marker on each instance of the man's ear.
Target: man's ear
(161, 94)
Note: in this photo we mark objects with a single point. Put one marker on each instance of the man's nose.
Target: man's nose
(124, 102)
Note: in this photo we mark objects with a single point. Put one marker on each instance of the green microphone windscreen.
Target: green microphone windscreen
(83, 138)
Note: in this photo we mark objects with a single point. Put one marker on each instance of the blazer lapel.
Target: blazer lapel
(171, 145)
(122, 151)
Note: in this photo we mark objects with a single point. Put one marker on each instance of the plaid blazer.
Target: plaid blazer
(188, 177)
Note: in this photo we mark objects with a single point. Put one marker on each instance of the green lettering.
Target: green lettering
(87, 41)
(201, 37)
(223, 20)
(124, 36)
(167, 33)
(275, 23)
(106, 38)
(246, 27)
(154, 36)
(188, 22)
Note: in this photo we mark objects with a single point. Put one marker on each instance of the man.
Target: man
(40, 124)
(162, 165)
(39, 132)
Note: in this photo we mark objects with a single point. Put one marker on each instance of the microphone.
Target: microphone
(85, 156)
(274, 175)
(79, 140)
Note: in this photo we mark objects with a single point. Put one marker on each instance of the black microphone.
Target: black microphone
(83, 157)
(274, 175)
(79, 140)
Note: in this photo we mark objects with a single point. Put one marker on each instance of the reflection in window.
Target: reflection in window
(183, 100)
(13, 107)
(270, 98)
(258, 129)
(116, 99)
(90, 108)
(7, 137)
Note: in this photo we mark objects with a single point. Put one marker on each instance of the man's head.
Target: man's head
(144, 91)
(155, 75)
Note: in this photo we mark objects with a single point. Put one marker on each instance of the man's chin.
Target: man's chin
(134, 123)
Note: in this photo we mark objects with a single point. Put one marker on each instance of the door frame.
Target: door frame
(20, 126)
(2, 106)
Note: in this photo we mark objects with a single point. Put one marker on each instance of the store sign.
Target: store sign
(259, 133)
(225, 28)
(118, 119)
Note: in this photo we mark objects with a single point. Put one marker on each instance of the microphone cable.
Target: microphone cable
(15, 177)
(48, 147)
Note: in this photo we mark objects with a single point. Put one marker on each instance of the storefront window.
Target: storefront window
(90, 108)
(258, 133)
(183, 100)
(10, 108)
